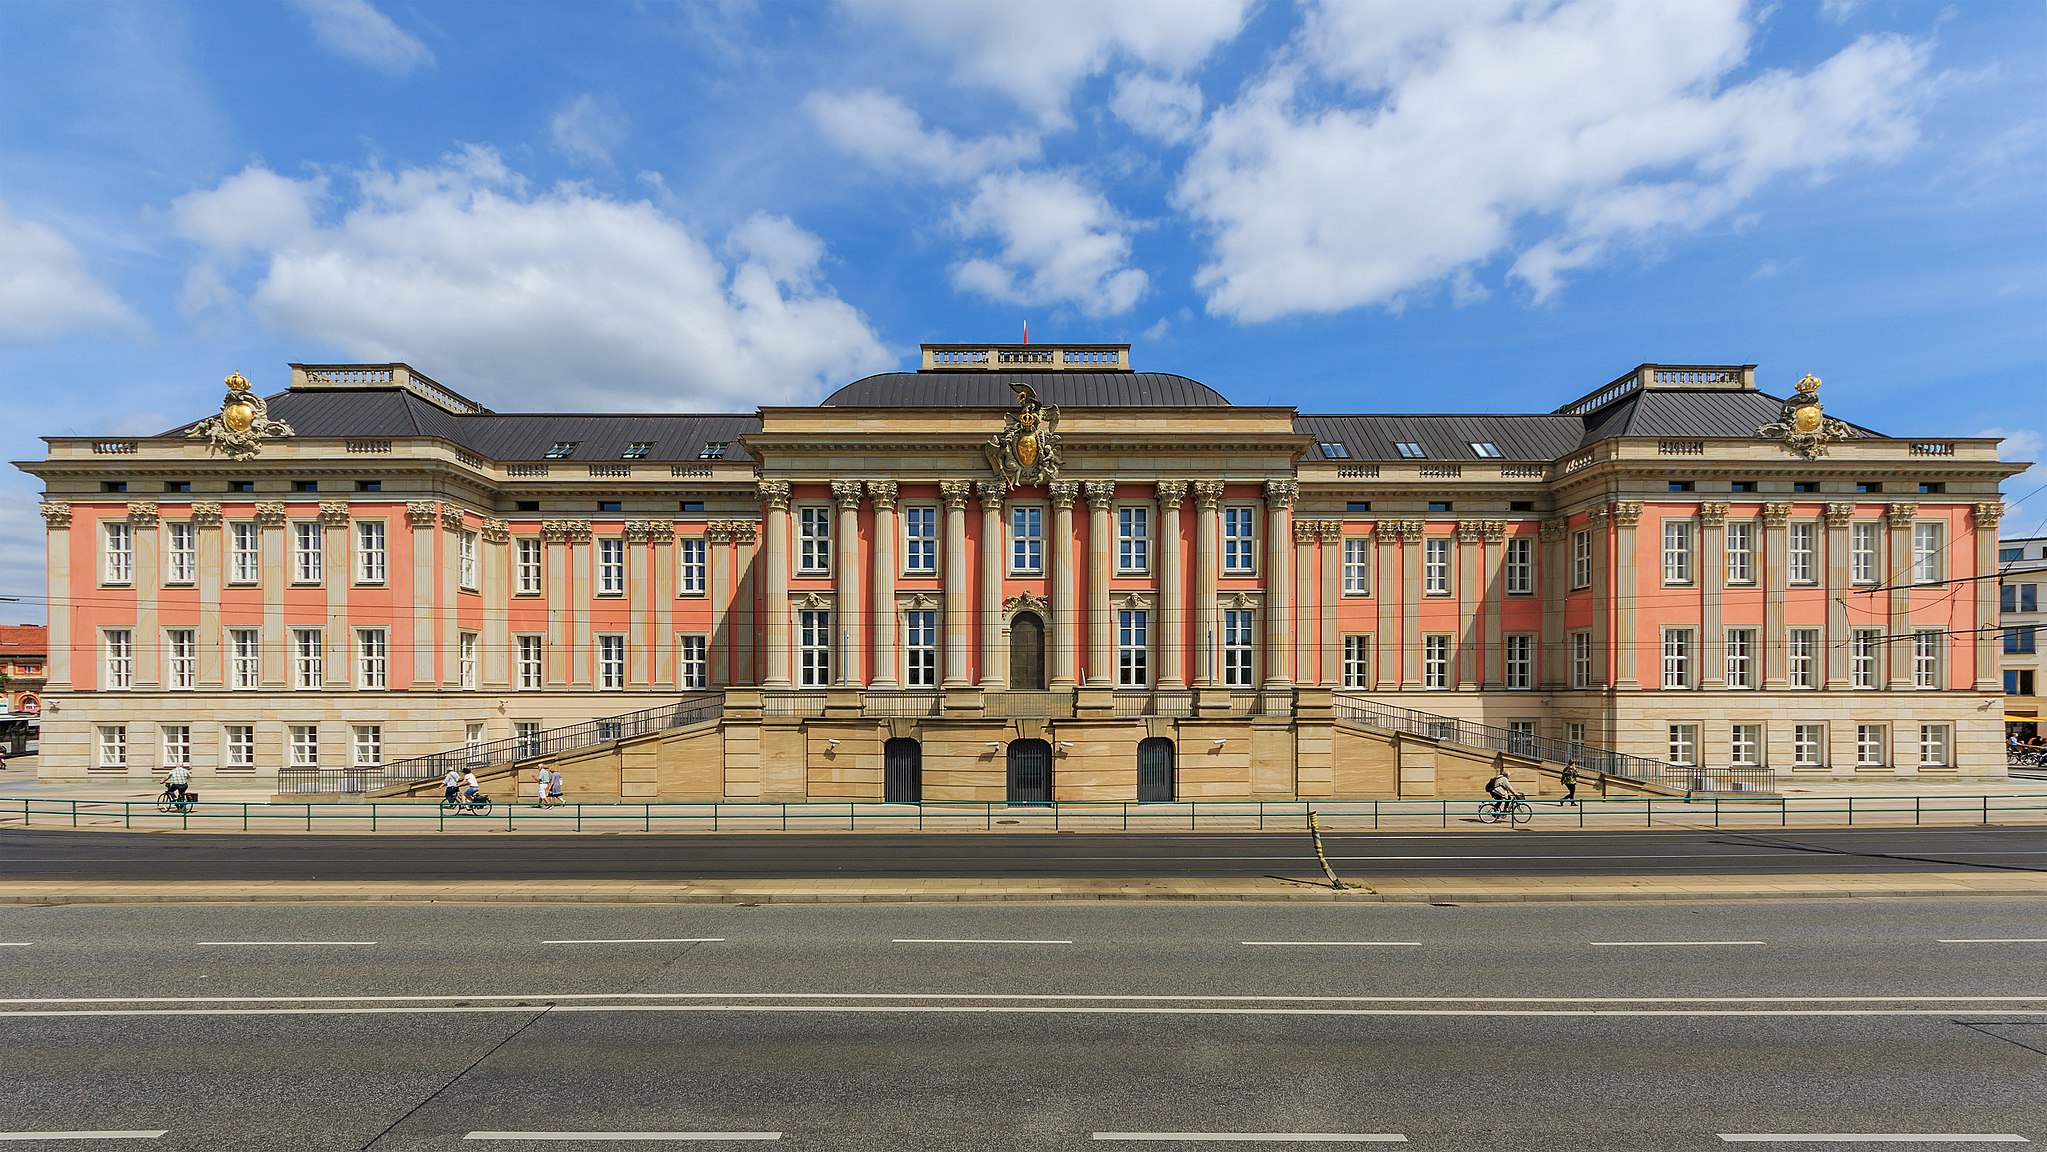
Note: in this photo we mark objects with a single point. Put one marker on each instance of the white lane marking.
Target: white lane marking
(1261, 1137)
(15, 943)
(1668, 943)
(1873, 1138)
(622, 1136)
(1001, 1009)
(284, 943)
(943, 941)
(2001, 940)
(1332, 943)
(516, 1000)
(109, 1135)
(667, 940)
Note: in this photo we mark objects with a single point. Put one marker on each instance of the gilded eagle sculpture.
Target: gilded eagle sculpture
(1803, 425)
(1027, 451)
(243, 423)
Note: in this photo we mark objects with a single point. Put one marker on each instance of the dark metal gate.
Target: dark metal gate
(902, 771)
(1030, 772)
(1027, 653)
(1154, 770)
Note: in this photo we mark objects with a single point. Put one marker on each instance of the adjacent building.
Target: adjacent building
(2022, 568)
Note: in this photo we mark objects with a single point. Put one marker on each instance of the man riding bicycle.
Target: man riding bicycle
(1501, 788)
(449, 783)
(177, 782)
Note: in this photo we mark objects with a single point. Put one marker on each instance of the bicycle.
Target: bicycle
(1494, 811)
(171, 803)
(465, 806)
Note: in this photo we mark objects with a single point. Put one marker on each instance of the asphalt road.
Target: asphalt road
(1024, 1027)
(52, 854)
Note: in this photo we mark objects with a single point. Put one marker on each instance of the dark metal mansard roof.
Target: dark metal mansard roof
(1065, 389)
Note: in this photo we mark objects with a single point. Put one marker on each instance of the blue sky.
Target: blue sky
(1345, 207)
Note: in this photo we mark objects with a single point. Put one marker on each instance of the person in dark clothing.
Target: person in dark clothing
(1569, 779)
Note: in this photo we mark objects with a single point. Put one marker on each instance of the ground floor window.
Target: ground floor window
(694, 668)
(1745, 745)
(305, 745)
(1871, 745)
(1933, 745)
(113, 748)
(369, 744)
(1435, 661)
(177, 744)
(1808, 745)
(1357, 661)
(1684, 745)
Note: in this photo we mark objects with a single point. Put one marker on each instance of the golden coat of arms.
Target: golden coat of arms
(243, 424)
(1802, 424)
(1027, 452)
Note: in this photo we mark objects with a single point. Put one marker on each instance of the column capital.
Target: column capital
(1598, 516)
(334, 513)
(1552, 531)
(1281, 493)
(142, 513)
(497, 531)
(775, 494)
(418, 513)
(1332, 530)
(1901, 514)
(1839, 514)
(1988, 514)
(1064, 493)
(1172, 493)
(1100, 493)
(1207, 494)
(1627, 513)
(846, 494)
(56, 513)
(206, 513)
(1775, 513)
(883, 493)
(639, 531)
(451, 518)
(270, 514)
(991, 492)
(1492, 531)
(1713, 514)
(1409, 531)
(565, 531)
(1305, 531)
(1468, 531)
(955, 493)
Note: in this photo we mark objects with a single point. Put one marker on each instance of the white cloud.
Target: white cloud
(588, 131)
(1401, 143)
(45, 289)
(886, 133)
(356, 30)
(2028, 445)
(1035, 51)
(1059, 243)
(22, 554)
(254, 208)
(1168, 110)
(526, 299)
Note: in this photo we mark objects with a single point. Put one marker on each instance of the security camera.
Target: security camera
(994, 743)
(1065, 744)
(831, 743)
(1220, 743)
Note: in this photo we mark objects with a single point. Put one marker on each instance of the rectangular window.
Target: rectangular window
(117, 658)
(113, 747)
(372, 658)
(1677, 551)
(2027, 598)
(472, 737)
(1521, 737)
(468, 577)
(1581, 559)
(694, 666)
(713, 450)
(305, 745)
(1741, 657)
(1677, 658)
(1436, 661)
(1862, 538)
(1927, 546)
(611, 663)
(920, 649)
(1520, 567)
(1684, 745)
(1239, 539)
(1409, 450)
(1745, 745)
(369, 745)
(1741, 552)
(370, 556)
(1574, 735)
(692, 564)
(1801, 658)
(2018, 681)
(814, 540)
(246, 648)
(181, 552)
(527, 735)
(2019, 641)
(814, 647)
(1357, 661)
(1933, 746)
(561, 449)
(238, 748)
(1026, 539)
(1926, 651)
(466, 649)
(1520, 660)
(526, 565)
(637, 450)
(181, 658)
(610, 566)
(1236, 648)
(308, 552)
(1487, 449)
(1862, 654)
(532, 662)
(1581, 659)
(1808, 745)
(245, 552)
(1872, 745)
(1133, 540)
(306, 649)
(118, 554)
(175, 741)
(920, 538)
(1436, 566)
(1357, 566)
(1133, 648)
(1804, 552)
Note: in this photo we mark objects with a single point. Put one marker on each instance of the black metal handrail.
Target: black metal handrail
(319, 781)
(555, 741)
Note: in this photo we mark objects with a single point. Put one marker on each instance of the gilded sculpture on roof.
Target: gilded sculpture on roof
(242, 424)
(1027, 451)
(1802, 423)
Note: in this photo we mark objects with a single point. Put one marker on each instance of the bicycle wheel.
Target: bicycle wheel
(1521, 812)
(166, 806)
(1489, 814)
(480, 808)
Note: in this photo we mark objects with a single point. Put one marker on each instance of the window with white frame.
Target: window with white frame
(1808, 745)
(1574, 735)
(532, 653)
(693, 667)
(1745, 745)
(305, 745)
(1357, 661)
(1927, 546)
(814, 539)
(308, 552)
(526, 737)
(1357, 566)
(1133, 648)
(117, 552)
(1926, 652)
(1521, 737)
(371, 559)
(372, 658)
(245, 552)
(113, 748)
(1133, 540)
(1436, 566)
(1520, 566)
(611, 662)
(181, 658)
(468, 575)
(245, 648)
(1236, 648)
(1520, 660)
(1581, 659)
(1581, 559)
(472, 737)
(1741, 552)
(1677, 551)
(1863, 647)
(307, 652)
(920, 648)
(181, 552)
(1934, 740)
(117, 658)
(1677, 658)
(1436, 661)
(1862, 543)
(920, 538)
(1803, 552)
(1026, 539)
(610, 566)
(526, 566)
(1684, 745)
(238, 748)
(1872, 745)
(1802, 658)
(692, 564)
(1240, 539)
(467, 648)
(174, 744)
(1741, 657)
(814, 647)
(369, 745)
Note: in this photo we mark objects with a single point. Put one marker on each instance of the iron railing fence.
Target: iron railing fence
(555, 741)
(318, 781)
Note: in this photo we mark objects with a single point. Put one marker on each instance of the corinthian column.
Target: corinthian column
(955, 493)
(1172, 588)
(1279, 590)
(1101, 494)
(883, 596)
(1208, 496)
(1061, 628)
(775, 632)
(846, 581)
(991, 493)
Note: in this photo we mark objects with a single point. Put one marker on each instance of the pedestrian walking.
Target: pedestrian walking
(554, 787)
(540, 775)
(1569, 778)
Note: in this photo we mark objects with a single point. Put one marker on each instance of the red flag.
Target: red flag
(1027, 331)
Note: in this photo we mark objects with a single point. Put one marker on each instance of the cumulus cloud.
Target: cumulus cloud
(529, 297)
(1399, 143)
(887, 133)
(356, 30)
(1058, 242)
(45, 289)
(587, 130)
(22, 554)
(1163, 109)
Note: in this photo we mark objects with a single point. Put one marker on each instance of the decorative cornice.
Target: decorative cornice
(1240, 599)
(1172, 494)
(811, 600)
(1839, 514)
(334, 513)
(1132, 601)
(916, 601)
(270, 513)
(1775, 513)
(56, 513)
(1281, 493)
(206, 513)
(884, 494)
(142, 513)
(419, 513)
(1989, 514)
(1552, 531)
(955, 493)
(775, 494)
(846, 493)
(1064, 493)
(1713, 514)
(1627, 513)
(1901, 514)
(497, 531)
(1207, 494)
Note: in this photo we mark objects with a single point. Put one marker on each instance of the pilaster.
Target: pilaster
(1101, 543)
(1776, 583)
(1062, 631)
(1627, 514)
(846, 614)
(1208, 496)
(989, 583)
(957, 638)
(1278, 581)
(882, 596)
(1172, 588)
(775, 588)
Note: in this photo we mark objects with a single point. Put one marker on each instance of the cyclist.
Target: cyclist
(449, 783)
(176, 782)
(470, 788)
(1501, 789)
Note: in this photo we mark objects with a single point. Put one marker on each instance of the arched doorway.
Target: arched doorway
(1027, 652)
(1154, 770)
(1030, 772)
(902, 771)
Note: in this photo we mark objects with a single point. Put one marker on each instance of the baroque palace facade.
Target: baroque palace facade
(1021, 571)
